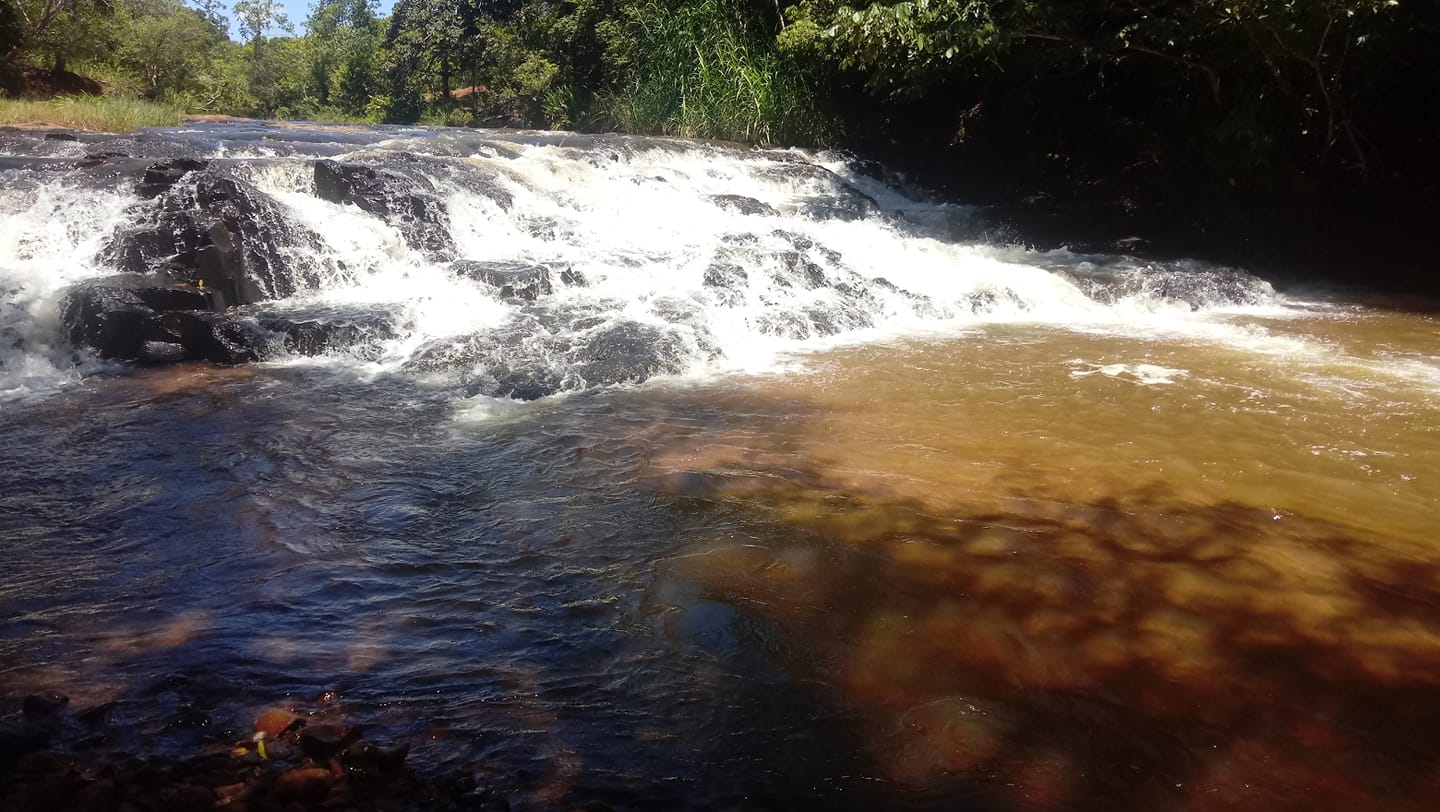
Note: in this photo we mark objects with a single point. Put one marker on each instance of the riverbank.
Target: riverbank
(89, 113)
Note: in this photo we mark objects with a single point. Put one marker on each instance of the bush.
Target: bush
(707, 68)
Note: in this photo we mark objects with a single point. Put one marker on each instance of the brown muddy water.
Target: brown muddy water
(1022, 568)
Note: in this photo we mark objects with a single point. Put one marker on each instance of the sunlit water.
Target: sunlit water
(1022, 545)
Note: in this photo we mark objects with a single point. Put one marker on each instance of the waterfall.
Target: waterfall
(512, 264)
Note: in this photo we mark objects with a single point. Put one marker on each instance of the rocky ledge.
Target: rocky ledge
(207, 254)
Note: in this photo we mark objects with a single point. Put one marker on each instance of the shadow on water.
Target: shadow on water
(1131, 653)
(548, 600)
(187, 547)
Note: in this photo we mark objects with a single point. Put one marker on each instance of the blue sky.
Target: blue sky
(297, 10)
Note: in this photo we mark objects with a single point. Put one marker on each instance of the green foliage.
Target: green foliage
(167, 47)
(257, 17)
(12, 31)
(1275, 78)
(57, 32)
(342, 45)
(706, 68)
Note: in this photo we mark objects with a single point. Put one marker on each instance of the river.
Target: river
(789, 489)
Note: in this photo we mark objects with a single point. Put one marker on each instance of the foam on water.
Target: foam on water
(49, 235)
(737, 260)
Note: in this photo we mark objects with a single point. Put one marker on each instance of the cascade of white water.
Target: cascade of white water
(659, 257)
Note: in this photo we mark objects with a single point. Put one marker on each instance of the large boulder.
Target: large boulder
(127, 320)
(217, 230)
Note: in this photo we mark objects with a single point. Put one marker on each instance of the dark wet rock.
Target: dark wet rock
(247, 260)
(827, 195)
(465, 175)
(512, 280)
(184, 798)
(405, 200)
(853, 206)
(359, 334)
(785, 324)
(96, 714)
(305, 785)
(545, 228)
(372, 759)
(551, 350)
(796, 268)
(177, 298)
(574, 278)
(516, 384)
(160, 177)
(830, 320)
(629, 352)
(219, 231)
(743, 205)
(1192, 284)
(162, 352)
(111, 321)
(324, 740)
(19, 743)
(215, 338)
(991, 300)
(805, 245)
(729, 277)
(155, 324)
(46, 704)
(61, 135)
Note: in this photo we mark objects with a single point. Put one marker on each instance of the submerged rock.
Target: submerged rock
(359, 334)
(44, 704)
(1193, 284)
(512, 280)
(629, 352)
(744, 205)
(325, 740)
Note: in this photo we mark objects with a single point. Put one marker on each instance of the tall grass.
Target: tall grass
(703, 69)
(101, 113)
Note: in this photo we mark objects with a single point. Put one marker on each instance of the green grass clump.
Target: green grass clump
(704, 70)
(99, 113)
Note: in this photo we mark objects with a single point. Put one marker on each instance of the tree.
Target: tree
(256, 18)
(167, 45)
(65, 29)
(342, 37)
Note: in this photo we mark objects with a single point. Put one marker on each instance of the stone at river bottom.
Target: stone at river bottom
(332, 768)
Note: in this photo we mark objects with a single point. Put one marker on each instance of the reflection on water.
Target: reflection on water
(939, 575)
